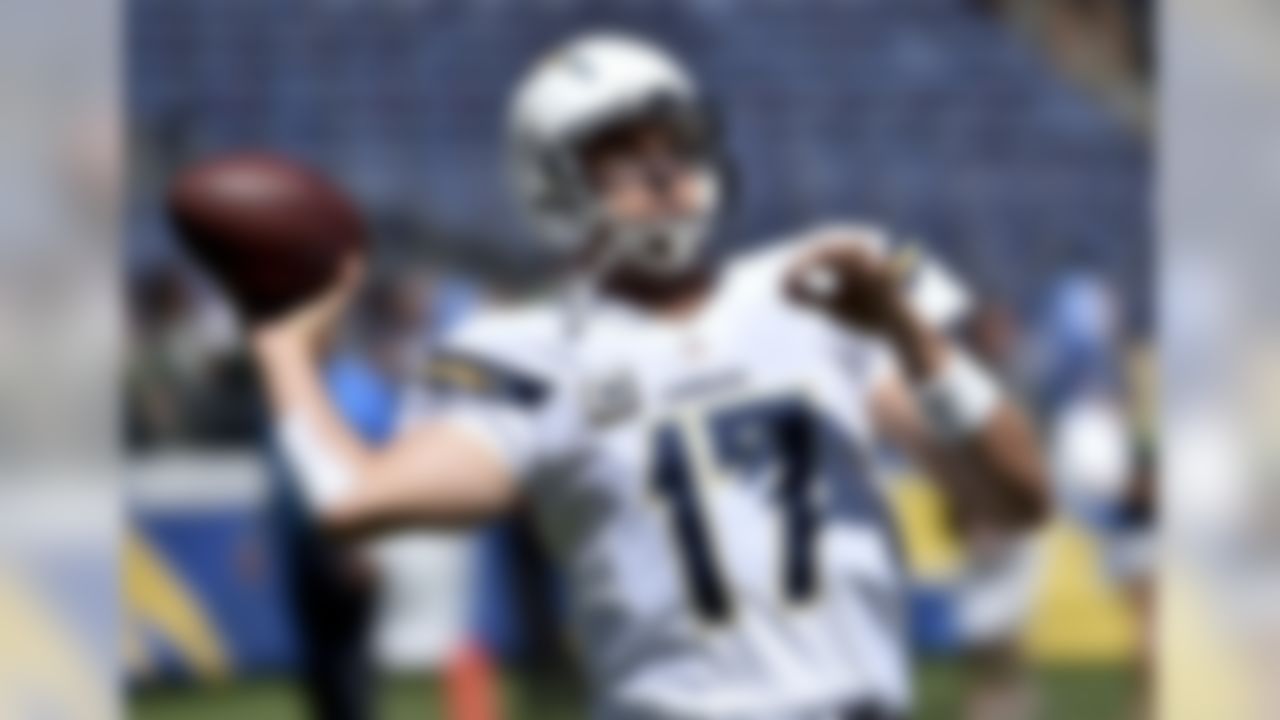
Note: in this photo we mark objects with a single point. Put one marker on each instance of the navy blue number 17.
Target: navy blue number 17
(780, 435)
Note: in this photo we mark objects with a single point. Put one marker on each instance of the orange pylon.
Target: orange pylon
(471, 686)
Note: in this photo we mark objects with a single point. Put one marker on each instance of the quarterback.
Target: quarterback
(694, 438)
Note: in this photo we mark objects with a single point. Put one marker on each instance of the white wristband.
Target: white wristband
(321, 476)
(960, 399)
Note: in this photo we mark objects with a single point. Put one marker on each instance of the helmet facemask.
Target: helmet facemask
(660, 245)
(669, 246)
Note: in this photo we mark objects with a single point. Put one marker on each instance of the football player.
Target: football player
(694, 439)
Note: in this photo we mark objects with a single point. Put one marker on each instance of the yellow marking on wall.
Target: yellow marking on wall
(158, 598)
(921, 512)
(1078, 616)
(1201, 673)
(43, 666)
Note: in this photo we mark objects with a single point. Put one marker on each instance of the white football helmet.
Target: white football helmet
(584, 87)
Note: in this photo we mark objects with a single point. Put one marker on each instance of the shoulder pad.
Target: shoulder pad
(506, 354)
(469, 375)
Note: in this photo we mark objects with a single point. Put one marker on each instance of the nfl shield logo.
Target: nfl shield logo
(611, 399)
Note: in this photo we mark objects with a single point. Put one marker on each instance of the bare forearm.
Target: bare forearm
(432, 475)
(1004, 452)
(921, 349)
(1000, 450)
(297, 393)
(860, 287)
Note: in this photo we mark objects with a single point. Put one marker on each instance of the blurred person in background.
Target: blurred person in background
(689, 436)
(186, 379)
(333, 589)
(998, 585)
(1101, 458)
(154, 386)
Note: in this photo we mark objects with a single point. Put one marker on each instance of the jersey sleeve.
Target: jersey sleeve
(496, 382)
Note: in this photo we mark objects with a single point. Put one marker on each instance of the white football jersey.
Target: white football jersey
(707, 487)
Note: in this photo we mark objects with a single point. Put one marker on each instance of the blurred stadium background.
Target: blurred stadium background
(1009, 136)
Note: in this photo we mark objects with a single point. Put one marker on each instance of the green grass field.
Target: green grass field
(1069, 693)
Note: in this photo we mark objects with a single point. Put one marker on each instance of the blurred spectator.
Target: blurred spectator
(186, 379)
(1101, 460)
(1078, 343)
(334, 589)
(1000, 580)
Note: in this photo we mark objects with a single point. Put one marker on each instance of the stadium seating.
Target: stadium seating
(929, 115)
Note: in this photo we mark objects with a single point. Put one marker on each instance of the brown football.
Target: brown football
(272, 232)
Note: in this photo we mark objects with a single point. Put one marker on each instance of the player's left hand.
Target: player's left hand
(853, 281)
